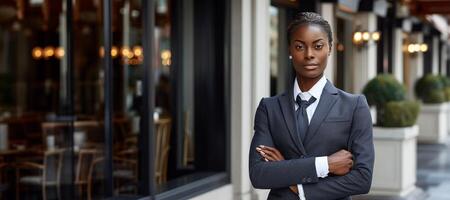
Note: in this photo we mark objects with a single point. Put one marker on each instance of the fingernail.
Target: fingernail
(262, 146)
(258, 149)
(262, 152)
(266, 160)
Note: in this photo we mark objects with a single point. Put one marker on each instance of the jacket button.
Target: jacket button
(304, 179)
(308, 180)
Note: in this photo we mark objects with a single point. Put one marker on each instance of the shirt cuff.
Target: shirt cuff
(301, 193)
(322, 166)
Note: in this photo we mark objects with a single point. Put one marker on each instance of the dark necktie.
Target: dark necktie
(302, 116)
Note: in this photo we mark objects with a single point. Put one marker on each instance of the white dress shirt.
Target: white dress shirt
(316, 91)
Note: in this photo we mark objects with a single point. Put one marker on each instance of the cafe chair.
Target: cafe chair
(85, 159)
(162, 132)
(49, 175)
(125, 175)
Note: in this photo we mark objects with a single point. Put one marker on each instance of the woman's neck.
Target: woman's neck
(306, 84)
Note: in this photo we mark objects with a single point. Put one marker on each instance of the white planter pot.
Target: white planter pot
(395, 166)
(432, 123)
(448, 117)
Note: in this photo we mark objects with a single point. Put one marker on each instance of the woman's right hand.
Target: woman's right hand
(271, 154)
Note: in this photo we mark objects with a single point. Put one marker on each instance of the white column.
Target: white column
(365, 62)
(397, 68)
(241, 92)
(260, 65)
(435, 56)
(415, 64)
(328, 13)
(261, 51)
(444, 59)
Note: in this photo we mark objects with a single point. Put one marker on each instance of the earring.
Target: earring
(290, 57)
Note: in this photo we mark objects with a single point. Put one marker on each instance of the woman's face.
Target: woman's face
(309, 49)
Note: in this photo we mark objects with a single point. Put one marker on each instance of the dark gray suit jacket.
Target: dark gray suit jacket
(340, 121)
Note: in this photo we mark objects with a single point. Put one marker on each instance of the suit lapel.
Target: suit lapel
(287, 107)
(327, 100)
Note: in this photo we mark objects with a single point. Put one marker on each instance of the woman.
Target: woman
(314, 141)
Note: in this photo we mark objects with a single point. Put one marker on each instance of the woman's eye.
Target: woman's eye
(319, 46)
(299, 47)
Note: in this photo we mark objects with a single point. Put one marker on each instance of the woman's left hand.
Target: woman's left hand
(272, 154)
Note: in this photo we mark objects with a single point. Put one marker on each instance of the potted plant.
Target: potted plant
(395, 137)
(430, 89)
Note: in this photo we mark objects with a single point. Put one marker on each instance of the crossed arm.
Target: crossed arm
(353, 170)
(339, 163)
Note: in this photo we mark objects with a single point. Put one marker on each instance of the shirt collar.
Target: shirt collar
(315, 91)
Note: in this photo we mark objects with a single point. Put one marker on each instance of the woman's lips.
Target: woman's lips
(311, 67)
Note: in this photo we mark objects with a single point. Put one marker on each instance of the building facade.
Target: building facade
(155, 99)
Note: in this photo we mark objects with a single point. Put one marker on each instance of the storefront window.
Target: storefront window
(52, 98)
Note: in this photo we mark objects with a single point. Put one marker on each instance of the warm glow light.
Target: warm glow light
(411, 48)
(101, 52)
(165, 54)
(125, 51)
(137, 51)
(376, 36)
(59, 52)
(366, 36)
(37, 52)
(416, 47)
(49, 52)
(357, 37)
(130, 55)
(114, 51)
(424, 47)
(165, 57)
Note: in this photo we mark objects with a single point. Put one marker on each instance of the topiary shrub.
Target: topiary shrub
(379, 91)
(430, 89)
(446, 81)
(400, 113)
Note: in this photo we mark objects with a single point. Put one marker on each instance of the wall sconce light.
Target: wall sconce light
(416, 47)
(128, 55)
(363, 37)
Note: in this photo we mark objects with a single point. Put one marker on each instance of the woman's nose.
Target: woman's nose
(309, 54)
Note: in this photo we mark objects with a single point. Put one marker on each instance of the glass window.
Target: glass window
(52, 127)
(189, 114)
(52, 101)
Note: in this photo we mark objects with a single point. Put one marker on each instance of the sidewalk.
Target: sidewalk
(433, 175)
(433, 170)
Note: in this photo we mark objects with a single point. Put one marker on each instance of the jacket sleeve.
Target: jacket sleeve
(268, 175)
(359, 179)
